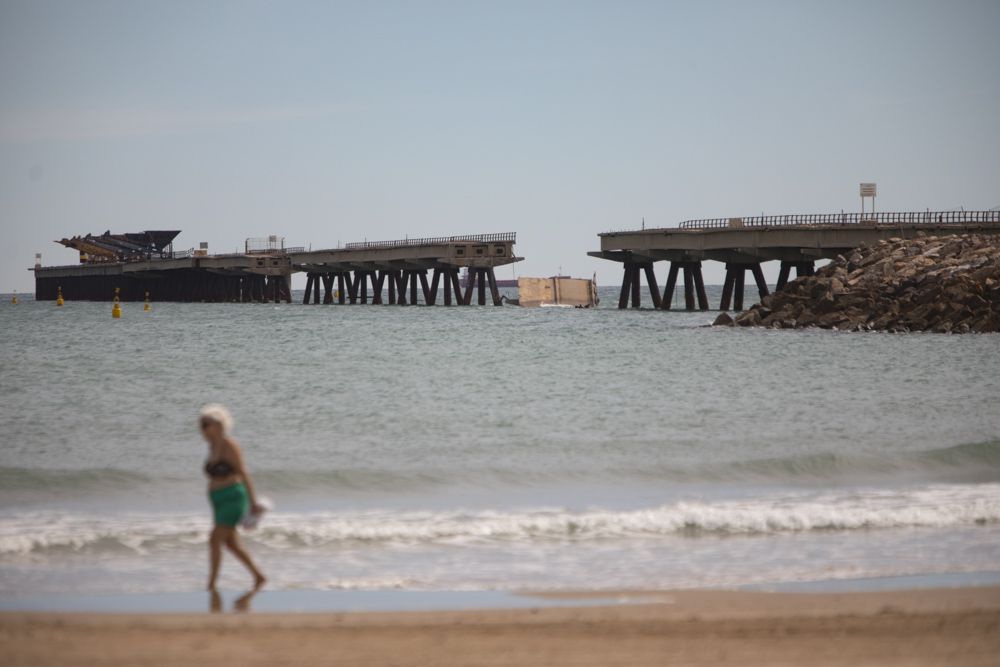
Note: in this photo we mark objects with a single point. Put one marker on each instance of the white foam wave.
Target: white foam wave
(938, 506)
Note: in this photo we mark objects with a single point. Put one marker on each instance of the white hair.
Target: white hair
(219, 414)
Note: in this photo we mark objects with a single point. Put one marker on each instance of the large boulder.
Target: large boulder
(723, 320)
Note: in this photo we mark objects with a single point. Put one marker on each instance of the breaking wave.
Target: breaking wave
(53, 533)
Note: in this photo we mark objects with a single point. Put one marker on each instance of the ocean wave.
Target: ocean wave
(975, 462)
(15, 478)
(980, 453)
(931, 507)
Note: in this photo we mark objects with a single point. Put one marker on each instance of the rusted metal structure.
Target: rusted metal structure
(110, 247)
(262, 273)
(743, 244)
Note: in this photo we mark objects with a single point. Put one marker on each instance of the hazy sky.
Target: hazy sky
(331, 122)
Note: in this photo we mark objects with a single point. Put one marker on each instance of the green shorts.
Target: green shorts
(230, 504)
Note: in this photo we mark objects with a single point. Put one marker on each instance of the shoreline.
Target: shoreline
(698, 627)
(339, 601)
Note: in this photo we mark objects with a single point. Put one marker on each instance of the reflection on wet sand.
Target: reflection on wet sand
(241, 605)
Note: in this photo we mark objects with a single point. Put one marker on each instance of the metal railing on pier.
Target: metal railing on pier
(881, 218)
(184, 254)
(510, 237)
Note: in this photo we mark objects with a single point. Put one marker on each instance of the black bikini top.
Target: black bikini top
(218, 469)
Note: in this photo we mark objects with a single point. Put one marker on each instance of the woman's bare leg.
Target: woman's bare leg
(234, 545)
(214, 602)
(215, 542)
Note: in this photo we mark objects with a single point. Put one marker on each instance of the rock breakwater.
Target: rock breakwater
(944, 284)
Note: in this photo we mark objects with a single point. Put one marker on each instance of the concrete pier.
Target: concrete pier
(743, 244)
(341, 276)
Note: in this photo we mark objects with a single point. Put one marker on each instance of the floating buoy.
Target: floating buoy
(147, 307)
(116, 310)
(59, 299)
(14, 299)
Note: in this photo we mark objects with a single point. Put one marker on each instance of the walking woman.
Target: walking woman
(230, 490)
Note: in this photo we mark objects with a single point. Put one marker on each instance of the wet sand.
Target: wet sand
(958, 626)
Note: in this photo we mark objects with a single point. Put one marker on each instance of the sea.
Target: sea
(491, 449)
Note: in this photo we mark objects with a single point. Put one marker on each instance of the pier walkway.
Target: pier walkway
(743, 244)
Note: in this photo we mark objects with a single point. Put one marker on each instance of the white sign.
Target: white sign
(867, 189)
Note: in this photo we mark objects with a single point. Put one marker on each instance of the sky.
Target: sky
(331, 122)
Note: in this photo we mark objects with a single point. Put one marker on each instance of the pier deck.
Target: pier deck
(341, 275)
(742, 244)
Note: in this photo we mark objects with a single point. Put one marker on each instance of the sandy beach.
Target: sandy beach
(919, 627)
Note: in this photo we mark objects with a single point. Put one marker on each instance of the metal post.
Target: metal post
(740, 276)
(309, 284)
(456, 285)
(426, 288)
(786, 268)
(699, 285)
(392, 286)
(758, 276)
(401, 278)
(688, 287)
(626, 286)
(377, 279)
(727, 288)
(636, 293)
(668, 291)
(327, 288)
(654, 289)
(494, 290)
(467, 299)
(435, 281)
(352, 287)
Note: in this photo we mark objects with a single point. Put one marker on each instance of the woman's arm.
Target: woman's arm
(241, 469)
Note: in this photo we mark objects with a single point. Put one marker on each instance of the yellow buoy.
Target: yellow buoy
(146, 308)
(14, 299)
(116, 310)
(59, 299)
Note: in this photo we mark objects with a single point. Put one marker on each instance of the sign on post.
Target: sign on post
(867, 190)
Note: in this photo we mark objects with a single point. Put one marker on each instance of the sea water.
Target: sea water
(491, 448)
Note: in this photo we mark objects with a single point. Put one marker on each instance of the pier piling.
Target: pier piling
(695, 296)
(494, 290)
(806, 268)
